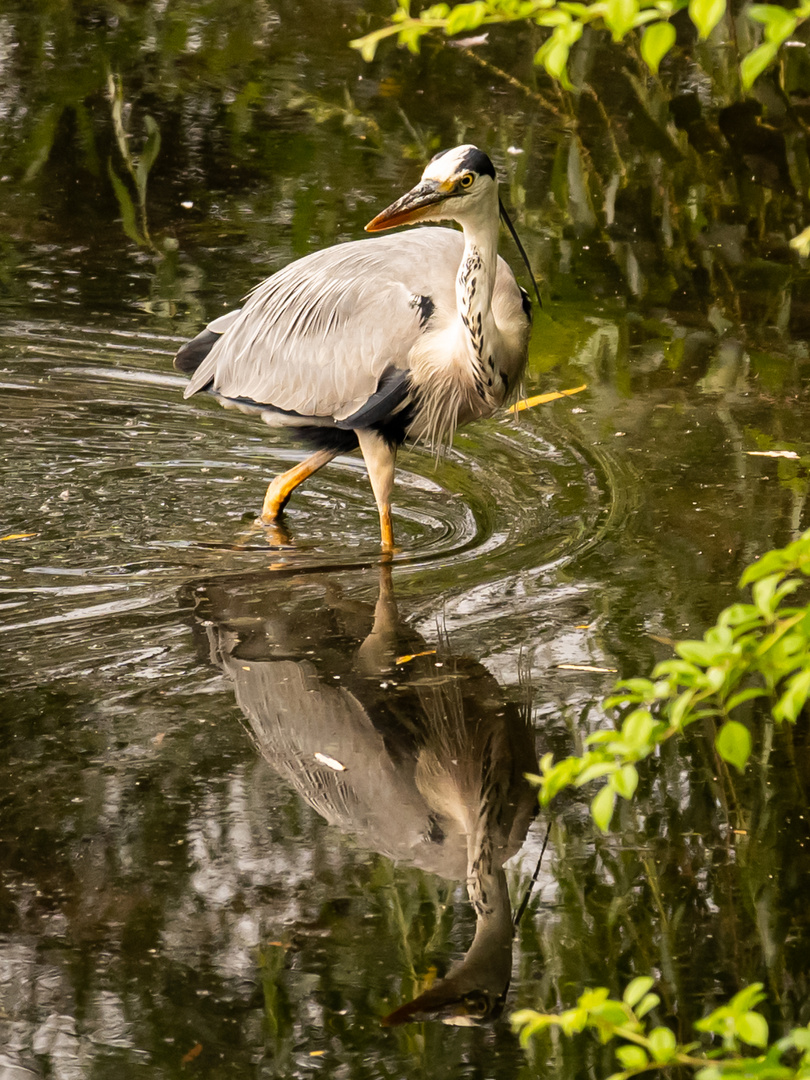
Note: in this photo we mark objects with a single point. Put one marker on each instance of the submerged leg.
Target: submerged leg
(282, 487)
(380, 457)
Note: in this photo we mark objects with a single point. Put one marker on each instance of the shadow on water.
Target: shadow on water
(414, 752)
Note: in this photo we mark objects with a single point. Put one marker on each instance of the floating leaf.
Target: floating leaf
(541, 399)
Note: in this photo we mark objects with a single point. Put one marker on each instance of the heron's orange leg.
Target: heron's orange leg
(380, 458)
(282, 487)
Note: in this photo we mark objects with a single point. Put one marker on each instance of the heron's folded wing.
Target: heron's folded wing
(317, 337)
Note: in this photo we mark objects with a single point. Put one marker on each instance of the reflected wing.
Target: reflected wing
(317, 337)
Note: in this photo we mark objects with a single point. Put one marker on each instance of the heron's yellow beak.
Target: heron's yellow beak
(412, 207)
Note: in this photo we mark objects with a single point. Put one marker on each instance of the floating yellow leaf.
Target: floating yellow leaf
(18, 536)
(541, 399)
(413, 656)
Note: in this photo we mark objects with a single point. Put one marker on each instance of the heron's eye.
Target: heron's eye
(467, 180)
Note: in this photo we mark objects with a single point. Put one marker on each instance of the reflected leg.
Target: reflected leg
(282, 487)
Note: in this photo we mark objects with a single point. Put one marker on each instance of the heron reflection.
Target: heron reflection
(414, 752)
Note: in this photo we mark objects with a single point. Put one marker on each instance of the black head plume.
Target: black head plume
(508, 223)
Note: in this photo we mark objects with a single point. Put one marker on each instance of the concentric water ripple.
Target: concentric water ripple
(116, 491)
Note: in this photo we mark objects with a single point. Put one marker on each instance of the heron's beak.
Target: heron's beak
(412, 207)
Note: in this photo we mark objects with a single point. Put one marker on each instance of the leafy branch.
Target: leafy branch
(644, 1048)
(754, 651)
(567, 19)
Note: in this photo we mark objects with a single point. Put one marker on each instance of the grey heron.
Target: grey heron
(374, 341)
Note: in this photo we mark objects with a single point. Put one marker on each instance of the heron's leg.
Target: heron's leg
(380, 457)
(282, 487)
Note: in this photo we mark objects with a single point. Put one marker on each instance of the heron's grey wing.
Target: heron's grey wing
(317, 337)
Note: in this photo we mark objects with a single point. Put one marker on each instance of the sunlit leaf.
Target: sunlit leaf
(620, 16)
(744, 695)
(755, 63)
(662, 1043)
(636, 989)
(647, 1003)
(733, 744)
(632, 1057)
(752, 1028)
(465, 17)
(602, 807)
(625, 781)
(706, 14)
(793, 699)
(656, 42)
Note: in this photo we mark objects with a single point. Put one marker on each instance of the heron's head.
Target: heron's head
(456, 184)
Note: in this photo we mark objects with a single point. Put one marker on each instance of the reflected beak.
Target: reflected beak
(410, 208)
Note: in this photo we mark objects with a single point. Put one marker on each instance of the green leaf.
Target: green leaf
(779, 23)
(591, 998)
(602, 807)
(733, 744)
(743, 696)
(465, 17)
(619, 16)
(745, 1000)
(656, 42)
(793, 699)
(632, 1057)
(706, 14)
(625, 781)
(752, 1028)
(637, 728)
(595, 771)
(648, 1002)
(663, 1044)
(636, 989)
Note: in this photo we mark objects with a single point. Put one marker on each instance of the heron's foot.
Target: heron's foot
(272, 533)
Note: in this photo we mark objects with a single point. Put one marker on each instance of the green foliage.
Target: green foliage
(643, 1047)
(754, 651)
(566, 19)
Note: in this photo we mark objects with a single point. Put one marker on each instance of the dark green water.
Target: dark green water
(185, 888)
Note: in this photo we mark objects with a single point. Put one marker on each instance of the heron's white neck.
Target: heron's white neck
(474, 286)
